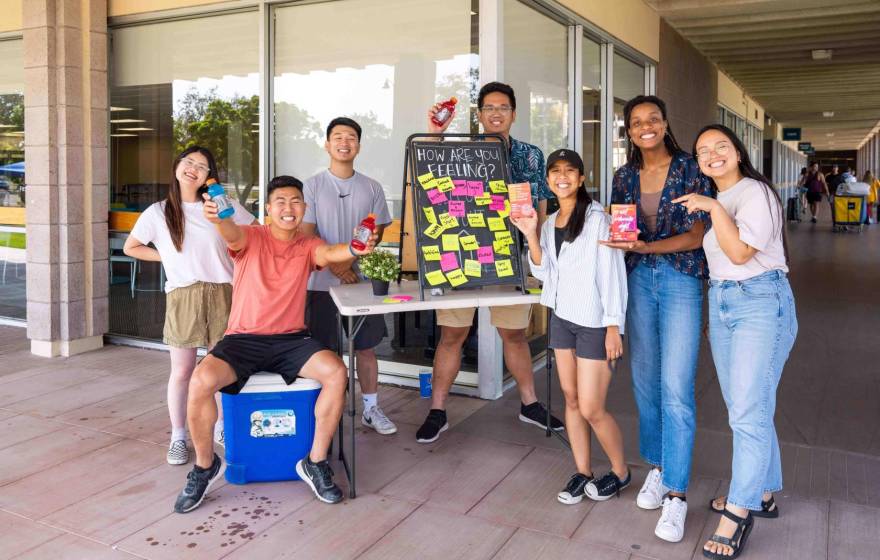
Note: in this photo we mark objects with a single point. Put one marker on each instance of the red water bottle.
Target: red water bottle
(444, 112)
(363, 232)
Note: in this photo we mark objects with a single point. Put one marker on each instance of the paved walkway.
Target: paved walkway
(82, 471)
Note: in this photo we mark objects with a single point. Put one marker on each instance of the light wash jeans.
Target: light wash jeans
(752, 327)
(663, 321)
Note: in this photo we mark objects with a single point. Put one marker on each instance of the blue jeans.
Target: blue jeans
(752, 327)
(663, 320)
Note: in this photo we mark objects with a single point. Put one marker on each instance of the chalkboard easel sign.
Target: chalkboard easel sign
(464, 238)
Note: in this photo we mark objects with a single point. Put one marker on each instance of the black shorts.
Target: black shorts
(321, 314)
(588, 342)
(247, 354)
(814, 196)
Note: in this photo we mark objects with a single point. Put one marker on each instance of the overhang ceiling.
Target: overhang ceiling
(766, 47)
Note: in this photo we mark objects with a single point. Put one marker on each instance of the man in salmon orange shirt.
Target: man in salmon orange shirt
(267, 332)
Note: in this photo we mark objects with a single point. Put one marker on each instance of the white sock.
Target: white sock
(178, 434)
(218, 426)
(370, 400)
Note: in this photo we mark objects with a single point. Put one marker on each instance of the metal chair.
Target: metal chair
(117, 256)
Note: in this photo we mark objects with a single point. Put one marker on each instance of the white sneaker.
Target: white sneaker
(178, 454)
(671, 525)
(652, 492)
(373, 417)
(219, 438)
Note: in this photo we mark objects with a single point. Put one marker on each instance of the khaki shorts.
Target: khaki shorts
(503, 316)
(196, 315)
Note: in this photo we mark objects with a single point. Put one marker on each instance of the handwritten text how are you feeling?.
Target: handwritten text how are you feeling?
(460, 161)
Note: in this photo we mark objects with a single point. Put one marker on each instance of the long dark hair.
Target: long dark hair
(578, 216)
(633, 153)
(174, 205)
(748, 170)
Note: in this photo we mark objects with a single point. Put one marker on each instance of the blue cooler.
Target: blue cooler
(268, 427)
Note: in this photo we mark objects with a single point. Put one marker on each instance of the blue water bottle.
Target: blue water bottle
(218, 196)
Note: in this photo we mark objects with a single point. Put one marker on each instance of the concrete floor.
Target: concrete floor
(82, 472)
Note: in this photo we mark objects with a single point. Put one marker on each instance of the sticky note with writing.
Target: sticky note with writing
(434, 230)
(497, 202)
(503, 268)
(469, 243)
(505, 212)
(497, 186)
(456, 277)
(460, 187)
(436, 197)
(435, 278)
(476, 220)
(426, 178)
(496, 224)
(475, 188)
(483, 200)
(456, 208)
(430, 185)
(473, 268)
(450, 242)
(445, 184)
(504, 237)
(430, 215)
(501, 248)
(448, 261)
(447, 221)
(431, 252)
(486, 255)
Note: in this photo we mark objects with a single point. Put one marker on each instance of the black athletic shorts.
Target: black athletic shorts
(321, 313)
(247, 354)
(814, 196)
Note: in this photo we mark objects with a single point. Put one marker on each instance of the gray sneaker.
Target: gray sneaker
(374, 418)
(178, 454)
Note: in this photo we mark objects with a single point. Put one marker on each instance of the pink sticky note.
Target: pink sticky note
(436, 197)
(486, 255)
(449, 261)
(475, 188)
(460, 188)
(497, 202)
(456, 208)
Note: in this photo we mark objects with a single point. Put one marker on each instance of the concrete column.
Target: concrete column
(65, 45)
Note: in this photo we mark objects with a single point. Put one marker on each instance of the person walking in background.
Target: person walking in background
(199, 278)
(816, 187)
(584, 283)
(873, 195)
(752, 326)
(834, 179)
(667, 269)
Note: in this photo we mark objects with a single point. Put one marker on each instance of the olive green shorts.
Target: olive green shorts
(196, 315)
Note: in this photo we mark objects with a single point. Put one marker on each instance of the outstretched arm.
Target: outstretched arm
(342, 252)
(231, 232)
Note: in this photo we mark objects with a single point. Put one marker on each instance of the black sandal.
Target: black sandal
(737, 542)
(769, 509)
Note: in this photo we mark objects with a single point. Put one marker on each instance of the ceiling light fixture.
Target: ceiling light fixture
(120, 108)
(821, 54)
(828, 114)
(591, 121)
(121, 121)
(829, 134)
(122, 135)
(134, 129)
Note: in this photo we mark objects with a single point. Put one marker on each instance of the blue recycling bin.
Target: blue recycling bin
(268, 427)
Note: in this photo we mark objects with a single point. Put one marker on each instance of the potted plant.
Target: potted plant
(381, 267)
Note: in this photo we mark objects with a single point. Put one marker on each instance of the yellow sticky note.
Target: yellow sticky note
(473, 268)
(450, 242)
(501, 248)
(435, 278)
(504, 237)
(476, 220)
(469, 243)
(447, 221)
(427, 177)
(431, 252)
(430, 215)
(506, 212)
(497, 187)
(536, 291)
(483, 200)
(503, 268)
(445, 184)
(457, 278)
(434, 230)
(496, 224)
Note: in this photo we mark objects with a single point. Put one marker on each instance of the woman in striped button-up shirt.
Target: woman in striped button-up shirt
(585, 285)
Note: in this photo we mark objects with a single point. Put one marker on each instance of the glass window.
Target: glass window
(377, 64)
(536, 66)
(629, 81)
(591, 127)
(175, 84)
(13, 261)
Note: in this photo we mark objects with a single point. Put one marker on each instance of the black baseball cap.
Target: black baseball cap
(567, 155)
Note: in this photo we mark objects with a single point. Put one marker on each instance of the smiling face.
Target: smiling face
(286, 207)
(343, 144)
(564, 179)
(192, 171)
(496, 114)
(646, 126)
(717, 155)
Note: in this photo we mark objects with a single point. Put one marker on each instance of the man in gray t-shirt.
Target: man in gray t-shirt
(337, 199)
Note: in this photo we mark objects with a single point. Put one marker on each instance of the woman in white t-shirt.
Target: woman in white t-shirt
(752, 326)
(198, 287)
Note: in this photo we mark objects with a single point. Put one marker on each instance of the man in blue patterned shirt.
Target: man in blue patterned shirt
(497, 106)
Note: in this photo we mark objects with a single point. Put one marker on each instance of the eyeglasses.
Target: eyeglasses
(192, 164)
(639, 124)
(721, 148)
(489, 109)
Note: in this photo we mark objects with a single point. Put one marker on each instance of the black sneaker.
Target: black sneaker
(319, 477)
(573, 492)
(433, 425)
(607, 487)
(198, 482)
(536, 414)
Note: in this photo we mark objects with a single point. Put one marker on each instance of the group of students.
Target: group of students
(708, 216)
(813, 185)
